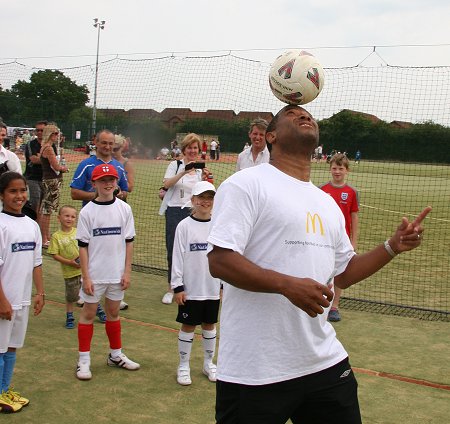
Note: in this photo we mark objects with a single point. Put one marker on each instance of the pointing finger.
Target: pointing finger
(421, 216)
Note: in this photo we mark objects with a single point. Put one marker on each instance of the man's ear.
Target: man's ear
(271, 137)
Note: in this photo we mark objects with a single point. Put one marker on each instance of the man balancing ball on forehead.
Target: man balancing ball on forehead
(280, 245)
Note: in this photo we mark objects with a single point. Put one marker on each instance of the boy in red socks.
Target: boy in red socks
(105, 235)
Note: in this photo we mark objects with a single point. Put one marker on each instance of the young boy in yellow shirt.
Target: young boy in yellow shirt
(64, 248)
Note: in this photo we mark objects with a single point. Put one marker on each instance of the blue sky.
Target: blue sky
(38, 28)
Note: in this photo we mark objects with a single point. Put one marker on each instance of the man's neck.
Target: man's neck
(256, 152)
(104, 158)
(299, 168)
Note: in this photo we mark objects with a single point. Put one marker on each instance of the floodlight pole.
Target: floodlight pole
(99, 25)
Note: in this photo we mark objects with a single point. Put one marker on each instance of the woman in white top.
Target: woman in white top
(179, 179)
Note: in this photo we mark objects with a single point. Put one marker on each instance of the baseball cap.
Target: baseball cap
(104, 170)
(201, 187)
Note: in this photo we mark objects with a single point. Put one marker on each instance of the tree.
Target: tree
(49, 95)
(232, 134)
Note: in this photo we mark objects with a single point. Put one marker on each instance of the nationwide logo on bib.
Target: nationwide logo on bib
(110, 231)
(23, 246)
(194, 247)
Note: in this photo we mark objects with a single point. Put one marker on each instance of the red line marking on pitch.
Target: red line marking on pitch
(134, 321)
(398, 377)
(373, 373)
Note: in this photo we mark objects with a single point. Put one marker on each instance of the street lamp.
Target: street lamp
(99, 25)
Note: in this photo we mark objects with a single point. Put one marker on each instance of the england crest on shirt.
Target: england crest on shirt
(344, 196)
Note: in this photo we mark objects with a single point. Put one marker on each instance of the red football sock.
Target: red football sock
(114, 333)
(85, 333)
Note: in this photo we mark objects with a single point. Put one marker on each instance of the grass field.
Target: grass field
(388, 191)
(45, 370)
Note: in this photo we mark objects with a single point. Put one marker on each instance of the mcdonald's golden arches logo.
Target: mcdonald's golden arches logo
(312, 219)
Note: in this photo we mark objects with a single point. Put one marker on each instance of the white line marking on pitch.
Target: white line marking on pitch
(403, 213)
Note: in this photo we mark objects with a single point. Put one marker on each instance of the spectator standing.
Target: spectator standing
(319, 153)
(8, 158)
(117, 153)
(212, 149)
(18, 143)
(279, 357)
(26, 136)
(347, 198)
(90, 148)
(179, 179)
(81, 186)
(33, 169)
(52, 172)
(120, 143)
(258, 152)
(64, 249)
(218, 150)
(204, 149)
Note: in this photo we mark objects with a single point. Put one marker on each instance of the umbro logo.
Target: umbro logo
(345, 373)
(185, 315)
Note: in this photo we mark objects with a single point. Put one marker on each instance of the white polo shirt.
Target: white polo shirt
(245, 158)
(13, 161)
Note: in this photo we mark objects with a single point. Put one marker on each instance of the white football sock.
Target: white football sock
(184, 348)
(85, 357)
(209, 345)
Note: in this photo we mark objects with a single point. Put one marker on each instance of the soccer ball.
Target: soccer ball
(296, 77)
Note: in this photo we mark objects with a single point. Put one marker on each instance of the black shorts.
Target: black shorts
(196, 312)
(328, 396)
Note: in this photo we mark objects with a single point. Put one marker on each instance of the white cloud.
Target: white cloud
(142, 26)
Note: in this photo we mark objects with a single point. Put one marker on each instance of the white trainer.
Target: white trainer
(83, 371)
(167, 298)
(210, 371)
(123, 305)
(184, 376)
(122, 361)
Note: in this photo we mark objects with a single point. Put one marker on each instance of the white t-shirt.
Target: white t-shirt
(292, 227)
(213, 145)
(20, 253)
(181, 192)
(190, 263)
(245, 158)
(105, 227)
